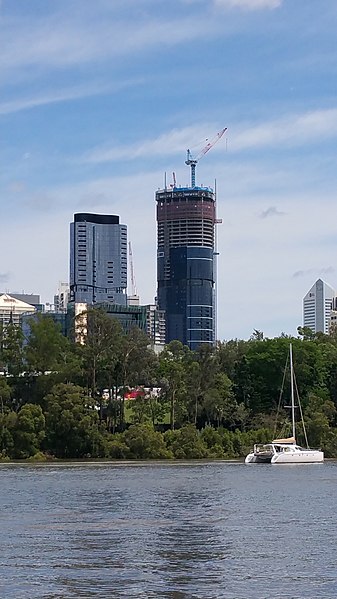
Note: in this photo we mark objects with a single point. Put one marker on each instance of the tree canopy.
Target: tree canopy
(68, 399)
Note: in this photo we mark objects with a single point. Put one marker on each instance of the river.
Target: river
(168, 531)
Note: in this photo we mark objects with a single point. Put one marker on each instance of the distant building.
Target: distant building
(60, 319)
(128, 316)
(333, 315)
(32, 299)
(61, 298)
(98, 259)
(155, 326)
(317, 306)
(13, 309)
(186, 220)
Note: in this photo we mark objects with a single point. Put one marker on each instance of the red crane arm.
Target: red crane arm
(211, 143)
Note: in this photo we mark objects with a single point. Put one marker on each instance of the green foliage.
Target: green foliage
(45, 346)
(145, 443)
(117, 449)
(218, 401)
(28, 431)
(72, 429)
(11, 352)
(186, 443)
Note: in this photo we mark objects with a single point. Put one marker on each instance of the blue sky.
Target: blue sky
(100, 99)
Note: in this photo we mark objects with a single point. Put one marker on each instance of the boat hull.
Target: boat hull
(258, 459)
(301, 457)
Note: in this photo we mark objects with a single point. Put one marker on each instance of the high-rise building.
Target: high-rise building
(185, 263)
(98, 259)
(317, 305)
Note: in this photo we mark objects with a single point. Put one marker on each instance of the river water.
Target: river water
(168, 531)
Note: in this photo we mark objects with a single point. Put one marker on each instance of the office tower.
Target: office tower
(185, 263)
(317, 304)
(98, 259)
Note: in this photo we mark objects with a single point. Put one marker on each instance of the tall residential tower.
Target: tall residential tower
(186, 218)
(98, 259)
(186, 263)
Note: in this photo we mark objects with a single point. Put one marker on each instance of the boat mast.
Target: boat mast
(292, 391)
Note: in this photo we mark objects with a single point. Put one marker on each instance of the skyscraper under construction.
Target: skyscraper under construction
(186, 218)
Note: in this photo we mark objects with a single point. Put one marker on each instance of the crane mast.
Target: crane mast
(132, 274)
(192, 162)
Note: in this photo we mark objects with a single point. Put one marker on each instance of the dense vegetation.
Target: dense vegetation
(62, 399)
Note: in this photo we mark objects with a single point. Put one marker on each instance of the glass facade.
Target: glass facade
(98, 259)
(185, 264)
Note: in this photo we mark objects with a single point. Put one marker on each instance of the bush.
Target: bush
(145, 443)
(186, 443)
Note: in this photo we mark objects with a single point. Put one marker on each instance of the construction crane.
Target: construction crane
(192, 162)
(132, 274)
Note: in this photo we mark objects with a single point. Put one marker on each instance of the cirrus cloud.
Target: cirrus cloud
(248, 4)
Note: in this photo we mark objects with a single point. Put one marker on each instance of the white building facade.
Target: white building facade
(11, 310)
(317, 307)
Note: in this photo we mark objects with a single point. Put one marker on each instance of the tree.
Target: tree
(101, 351)
(220, 404)
(29, 431)
(72, 429)
(12, 355)
(186, 443)
(145, 443)
(45, 346)
(173, 380)
(136, 363)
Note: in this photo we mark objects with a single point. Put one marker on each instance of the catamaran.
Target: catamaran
(286, 451)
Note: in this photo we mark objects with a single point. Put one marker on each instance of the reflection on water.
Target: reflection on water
(171, 531)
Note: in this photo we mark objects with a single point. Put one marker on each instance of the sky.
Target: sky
(100, 99)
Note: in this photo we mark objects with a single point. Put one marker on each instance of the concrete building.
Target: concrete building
(98, 259)
(186, 218)
(13, 309)
(33, 299)
(61, 298)
(317, 306)
(155, 326)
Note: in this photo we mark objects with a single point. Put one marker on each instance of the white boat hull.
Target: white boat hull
(301, 457)
(310, 456)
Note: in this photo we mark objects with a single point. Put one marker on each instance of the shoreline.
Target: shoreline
(99, 462)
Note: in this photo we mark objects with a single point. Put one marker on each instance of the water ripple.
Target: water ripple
(172, 531)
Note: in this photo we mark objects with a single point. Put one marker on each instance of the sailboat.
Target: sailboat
(285, 451)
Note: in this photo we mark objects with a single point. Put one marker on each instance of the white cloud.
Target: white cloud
(248, 4)
(173, 142)
(291, 130)
(59, 42)
(62, 95)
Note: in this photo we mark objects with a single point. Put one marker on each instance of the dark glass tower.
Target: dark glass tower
(98, 259)
(185, 263)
